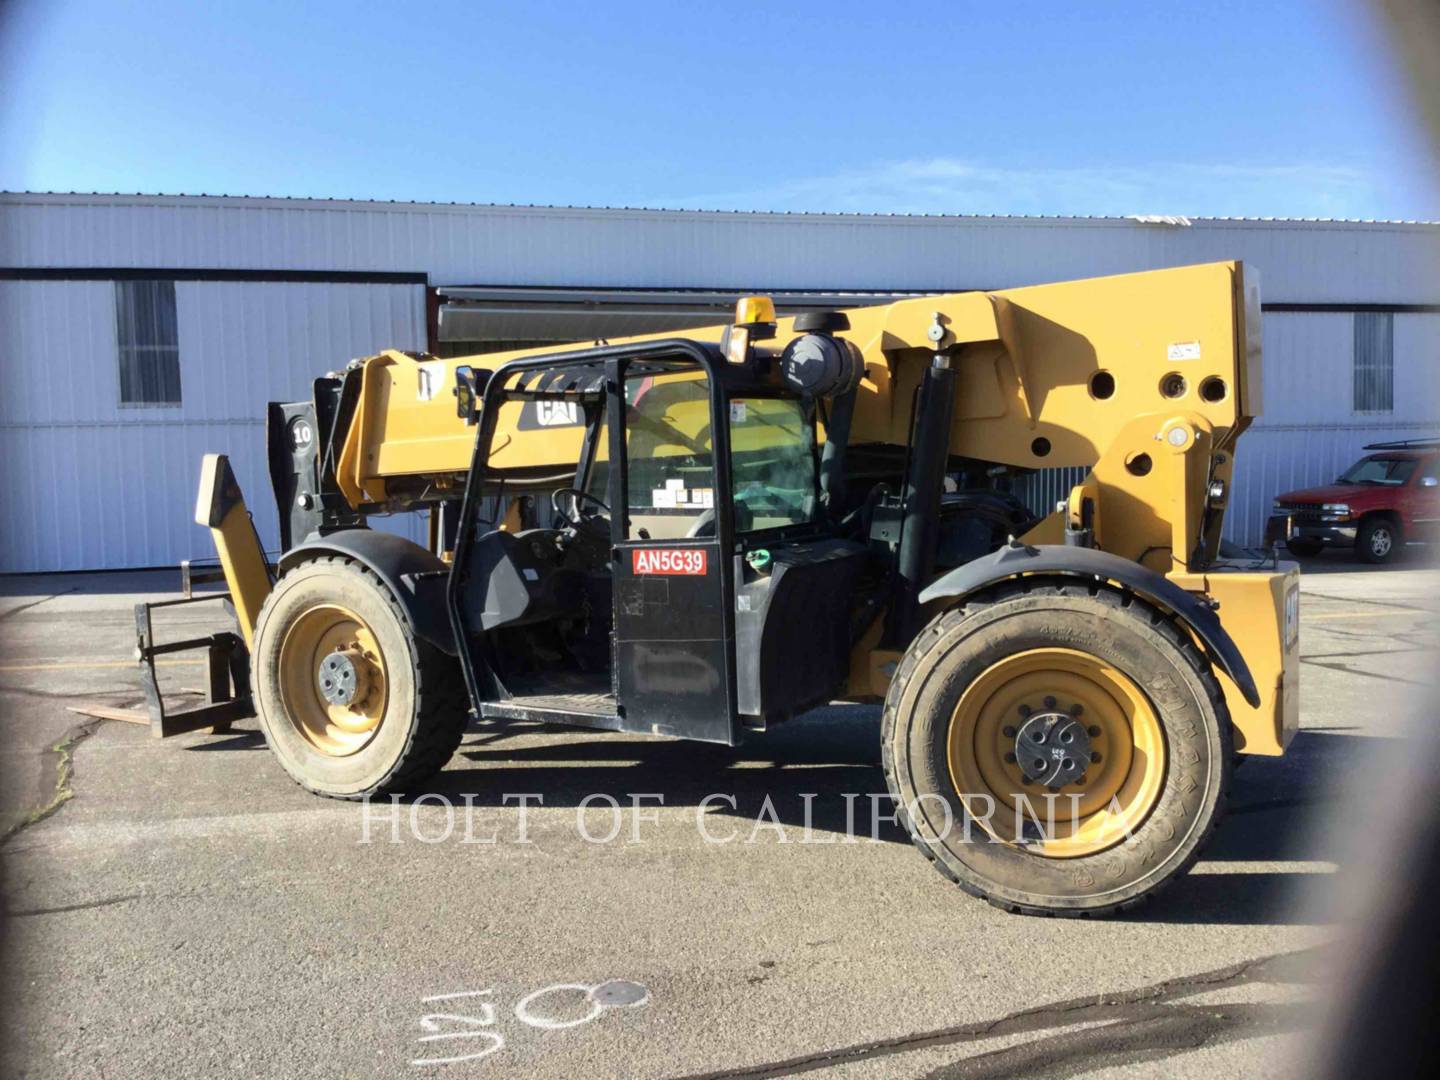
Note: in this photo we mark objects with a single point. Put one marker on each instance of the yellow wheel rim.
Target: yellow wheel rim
(333, 679)
(1122, 779)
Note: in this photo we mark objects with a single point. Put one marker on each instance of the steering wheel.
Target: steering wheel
(704, 525)
(595, 520)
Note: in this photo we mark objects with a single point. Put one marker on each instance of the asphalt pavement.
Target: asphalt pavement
(180, 908)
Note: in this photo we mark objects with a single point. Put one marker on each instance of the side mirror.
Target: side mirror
(470, 383)
(1429, 481)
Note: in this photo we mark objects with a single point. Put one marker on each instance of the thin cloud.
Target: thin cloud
(953, 186)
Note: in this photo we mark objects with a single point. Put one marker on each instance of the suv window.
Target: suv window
(1385, 471)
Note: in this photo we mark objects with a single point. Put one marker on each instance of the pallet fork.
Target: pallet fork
(227, 655)
(227, 665)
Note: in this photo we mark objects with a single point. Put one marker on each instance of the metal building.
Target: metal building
(138, 332)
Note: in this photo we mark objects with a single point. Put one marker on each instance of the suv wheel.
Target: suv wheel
(1378, 540)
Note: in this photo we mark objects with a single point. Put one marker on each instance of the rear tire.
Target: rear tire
(1120, 641)
(1304, 549)
(1378, 541)
(408, 713)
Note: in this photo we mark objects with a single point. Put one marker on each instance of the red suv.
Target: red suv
(1375, 507)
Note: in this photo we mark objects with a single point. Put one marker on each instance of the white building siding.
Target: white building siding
(92, 483)
(1310, 262)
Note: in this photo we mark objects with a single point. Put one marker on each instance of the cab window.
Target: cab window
(772, 463)
(669, 463)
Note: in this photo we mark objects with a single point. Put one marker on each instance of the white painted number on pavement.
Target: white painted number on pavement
(462, 1031)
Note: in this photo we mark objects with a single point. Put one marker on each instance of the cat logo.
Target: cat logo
(537, 415)
(556, 413)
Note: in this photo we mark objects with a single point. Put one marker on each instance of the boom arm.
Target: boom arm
(1092, 373)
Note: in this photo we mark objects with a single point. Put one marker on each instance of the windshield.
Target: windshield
(1388, 471)
(772, 463)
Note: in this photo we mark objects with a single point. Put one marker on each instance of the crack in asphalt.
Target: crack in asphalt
(36, 603)
(1372, 603)
(1146, 1034)
(1346, 670)
(66, 695)
(86, 906)
(1372, 652)
(64, 751)
(1142, 1024)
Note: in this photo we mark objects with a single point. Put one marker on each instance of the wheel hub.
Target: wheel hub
(1116, 751)
(341, 678)
(1052, 749)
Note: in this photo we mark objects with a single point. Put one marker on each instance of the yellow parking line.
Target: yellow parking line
(93, 665)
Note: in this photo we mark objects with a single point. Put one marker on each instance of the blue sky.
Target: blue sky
(1285, 109)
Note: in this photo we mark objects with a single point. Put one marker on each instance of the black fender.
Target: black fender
(1016, 559)
(413, 574)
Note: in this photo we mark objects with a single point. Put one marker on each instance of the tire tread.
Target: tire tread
(442, 714)
(947, 620)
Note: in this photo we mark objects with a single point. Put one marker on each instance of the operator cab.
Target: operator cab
(633, 620)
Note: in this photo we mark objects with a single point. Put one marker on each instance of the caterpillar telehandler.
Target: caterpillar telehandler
(702, 535)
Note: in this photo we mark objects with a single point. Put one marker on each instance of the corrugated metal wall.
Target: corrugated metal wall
(90, 483)
(490, 245)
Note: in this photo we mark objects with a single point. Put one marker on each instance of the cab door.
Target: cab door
(674, 629)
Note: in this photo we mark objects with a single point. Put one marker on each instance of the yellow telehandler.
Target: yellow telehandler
(702, 535)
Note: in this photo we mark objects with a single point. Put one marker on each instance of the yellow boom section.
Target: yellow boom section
(1049, 375)
(220, 506)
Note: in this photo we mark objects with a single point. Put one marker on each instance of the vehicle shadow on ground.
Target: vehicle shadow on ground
(823, 773)
(100, 583)
(1343, 562)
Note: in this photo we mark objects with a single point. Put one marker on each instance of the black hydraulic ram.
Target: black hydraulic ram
(924, 486)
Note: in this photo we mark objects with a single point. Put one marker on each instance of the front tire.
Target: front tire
(1378, 541)
(983, 678)
(351, 702)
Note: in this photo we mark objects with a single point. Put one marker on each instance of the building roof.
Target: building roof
(1160, 220)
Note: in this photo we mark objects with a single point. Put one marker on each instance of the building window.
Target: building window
(149, 343)
(1374, 361)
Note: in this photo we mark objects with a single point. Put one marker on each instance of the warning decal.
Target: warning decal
(668, 561)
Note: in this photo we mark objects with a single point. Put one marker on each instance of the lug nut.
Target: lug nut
(1095, 758)
(1025, 710)
(1082, 778)
(1009, 731)
(1077, 710)
(1049, 703)
(1010, 756)
(1093, 731)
